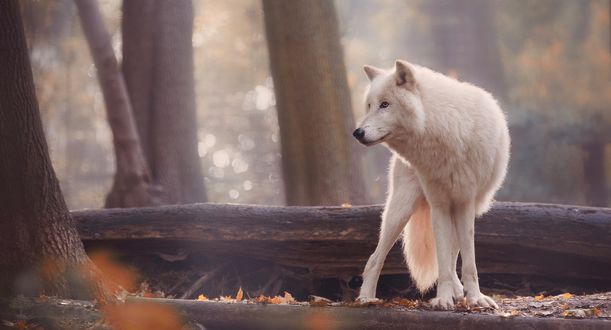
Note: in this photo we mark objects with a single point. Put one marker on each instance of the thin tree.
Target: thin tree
(40, 250)
(132, 186)
(319, 156)
(158, 69)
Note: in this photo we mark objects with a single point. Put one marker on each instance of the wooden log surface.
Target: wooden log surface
(215, 315)
(513, 238)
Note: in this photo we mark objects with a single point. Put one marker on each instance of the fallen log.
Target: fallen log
(513, 238)
(215, 315)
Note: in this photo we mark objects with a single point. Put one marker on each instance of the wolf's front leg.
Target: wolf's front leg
(394, 219)
(443, 229)
(465, 228)
(403, 197)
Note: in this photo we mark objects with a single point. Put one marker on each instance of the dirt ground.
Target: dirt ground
(51, 313)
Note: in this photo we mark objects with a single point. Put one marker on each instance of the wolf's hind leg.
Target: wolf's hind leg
(444, 232)
(402, 200)
(465, 225)
(458, 289)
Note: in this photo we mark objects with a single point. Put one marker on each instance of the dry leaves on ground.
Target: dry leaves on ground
(565, 305)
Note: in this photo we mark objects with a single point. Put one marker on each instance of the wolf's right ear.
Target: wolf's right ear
(372, 71)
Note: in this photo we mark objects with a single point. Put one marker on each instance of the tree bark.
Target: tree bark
(319, 156)
(158, 69)
(131, 186)
(513, 238)
(40, 250)
(465, 37)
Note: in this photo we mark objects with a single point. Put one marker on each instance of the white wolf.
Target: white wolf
(450, 147)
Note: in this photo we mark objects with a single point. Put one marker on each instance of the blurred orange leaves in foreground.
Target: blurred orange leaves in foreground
(142, 316)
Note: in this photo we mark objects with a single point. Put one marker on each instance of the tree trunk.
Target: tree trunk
(158, 70)
(40, 250)
(594, 173)
(131, 187)
(319, 156)
(466, 45)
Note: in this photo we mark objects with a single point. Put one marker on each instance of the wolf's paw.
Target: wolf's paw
(367, 300)
(481, 300)
(443, 303)
(458, 292)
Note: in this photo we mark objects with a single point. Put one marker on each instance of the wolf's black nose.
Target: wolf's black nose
(358, 133)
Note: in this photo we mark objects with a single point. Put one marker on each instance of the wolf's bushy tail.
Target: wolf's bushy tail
(419, 247)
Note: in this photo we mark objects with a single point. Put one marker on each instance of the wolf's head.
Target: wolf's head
(393, 104)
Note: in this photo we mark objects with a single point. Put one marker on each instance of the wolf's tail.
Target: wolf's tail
(419, 247)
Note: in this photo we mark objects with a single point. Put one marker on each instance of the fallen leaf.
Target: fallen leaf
(407, 303)
(544, 313)
(577, 313)
(566, 295)
(596, 312)
(346, 205)
(239, 295)
(201, 297)
(539, 297)
(288, 298)
(513, 313)
(319, 301)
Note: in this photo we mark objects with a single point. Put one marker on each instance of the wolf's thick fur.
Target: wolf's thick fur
(450, 146)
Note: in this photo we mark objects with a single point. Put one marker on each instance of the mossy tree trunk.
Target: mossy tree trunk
(40, 249)
(158, 69)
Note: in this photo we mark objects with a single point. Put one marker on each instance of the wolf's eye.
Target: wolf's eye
(384, 105)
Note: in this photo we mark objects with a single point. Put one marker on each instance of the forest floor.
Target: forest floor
(591, 311)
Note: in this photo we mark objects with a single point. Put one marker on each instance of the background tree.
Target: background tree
(131, 186)
(561, 79)
(40, 250)
(465, 42)
(319, 159)
(158, 70)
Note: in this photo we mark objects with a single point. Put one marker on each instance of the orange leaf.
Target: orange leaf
(288, 298)
(539, 297)
(201, 297)
(566, 295)
(595, 311)
(239, 295)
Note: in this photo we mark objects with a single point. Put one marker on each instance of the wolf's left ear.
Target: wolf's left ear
(404, 75)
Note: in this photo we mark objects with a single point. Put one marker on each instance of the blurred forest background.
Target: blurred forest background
(547, 61)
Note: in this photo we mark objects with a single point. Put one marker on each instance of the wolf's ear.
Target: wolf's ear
(404, 75)
(372, 71)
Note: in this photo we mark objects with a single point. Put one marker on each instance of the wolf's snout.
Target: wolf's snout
(358, 133)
